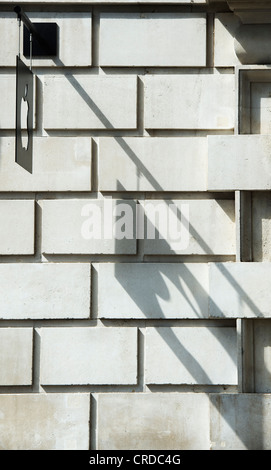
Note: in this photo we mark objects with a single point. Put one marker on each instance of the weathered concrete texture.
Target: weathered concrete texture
(44, 422)
(35, 290)
(240, 290)
(241, 162)
(189, 101)
(190, 227)
(100, 356)
(240, 422)
(93, 102)
(261, 226)
(78, 226)
(153, 421)
(8, 36)
(153, 39)
(153, 164)
(8, 96)
(191, 355)
(152, 290)
(225, 28)
(17, 227)
(59, 164)
(16, 356)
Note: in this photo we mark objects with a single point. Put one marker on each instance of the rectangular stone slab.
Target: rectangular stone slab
(101, 356)
(153, 421)
(189, 101)
(44, 290)
(53, 421)
(240, 290)
(185, 355)
(240, 421)
(152, 290)
(151, 39)
(153, 164)
(239, 162)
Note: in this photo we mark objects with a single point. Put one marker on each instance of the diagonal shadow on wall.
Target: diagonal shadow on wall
(173, 342)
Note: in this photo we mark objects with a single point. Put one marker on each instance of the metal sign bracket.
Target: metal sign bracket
(45, 36)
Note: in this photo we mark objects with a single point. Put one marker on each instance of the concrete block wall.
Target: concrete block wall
(136, 343)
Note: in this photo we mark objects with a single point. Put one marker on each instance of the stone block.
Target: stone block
(53, 421)
(186, 355)
(59, 164)
(73, 28)
(189, 227)
(152, 290)
(81, 356)
(240, 421)
(17, 218)
(153, 39)
(16, 356)
(154, 421)
(189, 101)
(75, 38)
(41, 290)
(8, 37)
(240, 162)
(8, 101)
(240, 290)
(93, 102)
(153, 164)
(78, 226)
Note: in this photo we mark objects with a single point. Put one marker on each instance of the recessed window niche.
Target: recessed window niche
(258, 355)
(255, 101)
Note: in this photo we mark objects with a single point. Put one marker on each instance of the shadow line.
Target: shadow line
(183, 355)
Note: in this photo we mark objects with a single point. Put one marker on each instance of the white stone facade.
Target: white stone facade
(154, 118)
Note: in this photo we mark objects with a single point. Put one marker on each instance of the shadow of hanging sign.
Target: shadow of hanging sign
(24, 116)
